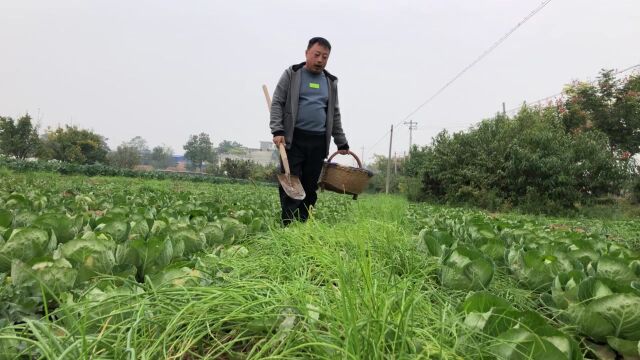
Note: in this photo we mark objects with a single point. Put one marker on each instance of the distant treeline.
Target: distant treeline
(106, 170)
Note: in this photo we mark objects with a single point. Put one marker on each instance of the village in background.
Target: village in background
(265, 155)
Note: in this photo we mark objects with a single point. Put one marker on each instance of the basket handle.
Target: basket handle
(350, 153)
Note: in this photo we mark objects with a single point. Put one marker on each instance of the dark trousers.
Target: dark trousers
(306, 157)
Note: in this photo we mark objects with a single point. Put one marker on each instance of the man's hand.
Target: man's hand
(343, 152)
(278, 140)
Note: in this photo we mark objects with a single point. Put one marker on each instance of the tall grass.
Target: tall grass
(353, 288)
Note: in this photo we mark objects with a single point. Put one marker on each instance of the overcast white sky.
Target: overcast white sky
(167, 69)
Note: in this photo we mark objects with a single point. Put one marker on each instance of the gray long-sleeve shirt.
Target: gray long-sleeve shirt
(312, 105)
(284, 108)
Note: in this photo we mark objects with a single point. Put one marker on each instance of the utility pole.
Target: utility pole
(386, 188)
(363, 156)
(413, 125)
(504, 109)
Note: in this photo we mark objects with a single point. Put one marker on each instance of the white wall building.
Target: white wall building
(263, 156)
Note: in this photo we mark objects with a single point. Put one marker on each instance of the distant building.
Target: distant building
(263, 156)
(267, 146)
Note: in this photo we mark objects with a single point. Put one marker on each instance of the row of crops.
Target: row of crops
(586, 282)
(68, 240)
(106, 170)
(122, 268)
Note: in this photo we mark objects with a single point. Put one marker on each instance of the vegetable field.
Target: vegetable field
(104, 268)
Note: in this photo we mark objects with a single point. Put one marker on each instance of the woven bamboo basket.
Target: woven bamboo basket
(344, 179)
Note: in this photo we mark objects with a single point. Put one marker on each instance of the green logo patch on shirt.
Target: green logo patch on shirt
(314, 85)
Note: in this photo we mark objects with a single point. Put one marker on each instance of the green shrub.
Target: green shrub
(411, 187)
(529, 162)
(635, 189)
(4, 172)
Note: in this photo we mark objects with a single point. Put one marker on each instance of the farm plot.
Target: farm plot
(121, 268)
(588, 282)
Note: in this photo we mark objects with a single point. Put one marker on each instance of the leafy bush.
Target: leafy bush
(240, 169)
(529, 161)
(75, 145)
(411, 187)
(248, 169)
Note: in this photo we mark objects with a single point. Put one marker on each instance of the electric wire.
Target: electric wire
(472, 64)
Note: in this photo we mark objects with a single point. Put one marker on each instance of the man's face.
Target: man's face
(317, 57)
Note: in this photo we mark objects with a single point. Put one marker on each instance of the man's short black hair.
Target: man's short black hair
(319, 40)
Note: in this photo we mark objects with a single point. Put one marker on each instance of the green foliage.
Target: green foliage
(74, 145)
(413, 165)
(230, 147)
(62, 226)
(584, 281)
(125, 156)
(174, 269)
(464, 268)
(199, 149)
(549, 159)
(25, 244)
(240, 169)
(519, 334)
(379, 182)
(90, 255)
(265, 173)
(54, 276)
(528, 162)
(635, 189)
(104, 170)
(140, 146)
(611, 106)
(248, 169)
(18, 138)
(411, 187)
(162, 157)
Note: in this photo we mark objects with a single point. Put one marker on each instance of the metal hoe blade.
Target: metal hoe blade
(292, 186)
(290, 183)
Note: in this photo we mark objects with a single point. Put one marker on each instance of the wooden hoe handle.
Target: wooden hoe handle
(283, 156)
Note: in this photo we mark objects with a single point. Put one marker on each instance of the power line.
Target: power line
(473, 63)
(461, 125)
(379, 140)
(477, 60)
(544, 99)
(550, 97)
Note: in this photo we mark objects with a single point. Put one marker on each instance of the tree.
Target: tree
(230, 147)
(125, 156)
(19, 139)
(140, 145)
(74, 145)
(199, 149)
(162, 157)
(612, 106)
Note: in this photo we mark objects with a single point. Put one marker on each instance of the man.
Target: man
(304, 116)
